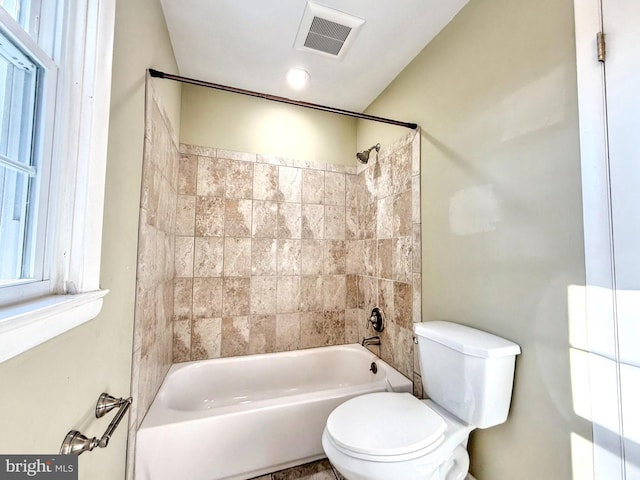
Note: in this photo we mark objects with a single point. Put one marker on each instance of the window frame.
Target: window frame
(72, 296)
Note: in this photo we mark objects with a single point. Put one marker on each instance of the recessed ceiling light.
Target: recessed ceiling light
(297, 78)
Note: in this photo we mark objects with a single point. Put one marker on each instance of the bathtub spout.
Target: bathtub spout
(375, 340)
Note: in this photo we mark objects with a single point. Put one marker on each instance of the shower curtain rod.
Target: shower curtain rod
(275, 98)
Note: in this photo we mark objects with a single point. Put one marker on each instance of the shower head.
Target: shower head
(363, 156)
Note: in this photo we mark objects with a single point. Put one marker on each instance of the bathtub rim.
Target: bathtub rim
(160, 414)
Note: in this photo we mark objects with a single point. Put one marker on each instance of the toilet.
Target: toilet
(468, 376)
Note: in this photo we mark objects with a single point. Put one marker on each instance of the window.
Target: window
(55, 73)
(18, 168)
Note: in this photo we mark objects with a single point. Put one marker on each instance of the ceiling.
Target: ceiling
(249, 44)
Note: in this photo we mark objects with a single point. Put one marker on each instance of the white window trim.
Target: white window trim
(28, 324)
(84, 91)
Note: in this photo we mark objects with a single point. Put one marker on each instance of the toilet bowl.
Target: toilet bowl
(468, 376)
(411, 440)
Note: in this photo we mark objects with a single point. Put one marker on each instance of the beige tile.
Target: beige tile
(403, 304)
(416, 291)
(239, 179)
(415, 199)
(287, 332)
(368, 292)
(402, 259)
(370, 255)
(352, 291)
(289, 257)
(186, 215)
(386, 299)
(262, 336)
(263, 295)
(320, 470)
(236, 299)
(275, 160)
(311, 293)
(352, 223)
(351, 189)
(352, 319)
(181, 341)
(401, 164)
(187, 174)
(184, 255)
(416, 250)
(237, 217)
(334, 222)
(210, 177)
(147, 252)
(313, 186)
(208, 257)
(312, 257)
(368, 218)
(235, 336)
(354, 262)
(198, 150)
(334, 328)
(384, 177)
(237, 257)
(334, 288)
(311, 329)
(243, 157)
(149, 195)
(264, 256)
(312, 221)
(206, 338)
(402, 214)
(209, 217)
(207, 297)
(334, 193)
(384, 220)
(264, 219)
(288, 294)
(265, 182)
(385, 259)
(388, 342)
(334, 257)
(289, 220)
(415, 154)
(290, 184)
(182, 298)
(403, 351)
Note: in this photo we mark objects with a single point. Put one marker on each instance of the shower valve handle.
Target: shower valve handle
(376, 319)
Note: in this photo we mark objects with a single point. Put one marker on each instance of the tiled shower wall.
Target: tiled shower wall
(276, 254)
(152, 347)
(386, 253)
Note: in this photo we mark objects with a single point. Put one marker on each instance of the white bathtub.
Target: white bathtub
(241, 417)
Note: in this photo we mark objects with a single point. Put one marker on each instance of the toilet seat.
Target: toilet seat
(385, 427)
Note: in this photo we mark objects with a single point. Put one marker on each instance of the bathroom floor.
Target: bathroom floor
(320, 470)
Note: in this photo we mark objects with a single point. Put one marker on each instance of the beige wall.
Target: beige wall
(495, 95)
(53, 388)
(218, 119)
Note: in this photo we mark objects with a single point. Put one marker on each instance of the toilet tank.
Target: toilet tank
(466, 371)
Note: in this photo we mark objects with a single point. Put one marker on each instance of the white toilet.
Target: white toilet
(468, 375)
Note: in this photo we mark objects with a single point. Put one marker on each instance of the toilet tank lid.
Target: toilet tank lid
(466, 340)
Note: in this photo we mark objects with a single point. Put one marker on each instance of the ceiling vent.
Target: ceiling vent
(326, 31)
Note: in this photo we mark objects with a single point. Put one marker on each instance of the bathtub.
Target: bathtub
(241, 417)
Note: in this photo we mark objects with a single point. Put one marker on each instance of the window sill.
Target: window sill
(28, 324)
